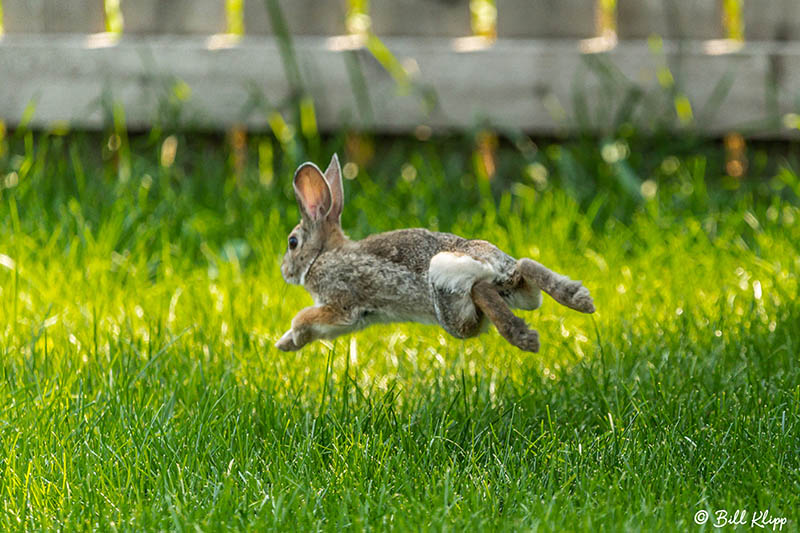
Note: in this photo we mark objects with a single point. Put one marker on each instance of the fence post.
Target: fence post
(671, 19)
(53, 16)
(546, 18)
(772, 20)
(433, 18)
(173, 16)
(303, 17)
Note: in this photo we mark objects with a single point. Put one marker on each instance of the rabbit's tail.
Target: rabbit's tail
(562, 289)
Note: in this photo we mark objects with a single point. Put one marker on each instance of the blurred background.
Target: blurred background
(649, 148)
(497, 71)
(403, 66)
(672, 75)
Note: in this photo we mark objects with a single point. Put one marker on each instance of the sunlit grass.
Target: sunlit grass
(234, 15)
(140, 297)
(733, 19)
(358, 21)
(606, 17)
(483, 18)
(114, 21)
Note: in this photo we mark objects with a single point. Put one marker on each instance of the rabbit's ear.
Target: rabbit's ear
(312, 192)
(333, 175)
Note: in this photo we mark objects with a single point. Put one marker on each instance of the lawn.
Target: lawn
(140, 297)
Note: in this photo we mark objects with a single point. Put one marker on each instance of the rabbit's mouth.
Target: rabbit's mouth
(289, 276)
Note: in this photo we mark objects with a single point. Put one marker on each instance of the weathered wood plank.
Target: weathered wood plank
(550, 19)
(514, 83)
(432, 18)
(772, 20)
(671, 19)
(173, 16)
(53, 16)
(303, 17)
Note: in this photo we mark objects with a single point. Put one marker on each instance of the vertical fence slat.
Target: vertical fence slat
(173, 16)
(671, 19)
(442, 18)
(766, 20)
(53, 16)
(303, 17)
(546, 18)
(23, 16)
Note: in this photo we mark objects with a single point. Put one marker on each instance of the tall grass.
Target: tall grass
(140, 297)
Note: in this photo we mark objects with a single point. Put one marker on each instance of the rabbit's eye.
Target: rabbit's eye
(292, 242)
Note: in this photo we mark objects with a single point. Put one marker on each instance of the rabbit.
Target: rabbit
(406, 275)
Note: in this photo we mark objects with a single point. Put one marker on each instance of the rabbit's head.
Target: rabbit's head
(320, 198)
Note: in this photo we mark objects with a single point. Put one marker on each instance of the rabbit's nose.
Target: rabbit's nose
(286, 272)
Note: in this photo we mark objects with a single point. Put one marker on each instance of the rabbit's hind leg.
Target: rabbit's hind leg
(510, 326)
(520, 293)
(457, 314)
(563, 290)
(312, 323)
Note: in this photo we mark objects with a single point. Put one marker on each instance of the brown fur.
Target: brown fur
(563, 290)
(317, 322)
(511, 327)
(390, 277)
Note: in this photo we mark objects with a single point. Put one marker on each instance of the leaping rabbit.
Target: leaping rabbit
(406, 275)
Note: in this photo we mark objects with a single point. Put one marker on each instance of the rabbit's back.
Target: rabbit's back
(412, 248)
(415, 248)
(400, 275)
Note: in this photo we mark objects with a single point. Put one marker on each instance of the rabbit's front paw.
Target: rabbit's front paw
(286, 343)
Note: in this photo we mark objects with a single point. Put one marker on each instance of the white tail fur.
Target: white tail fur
(458, 272)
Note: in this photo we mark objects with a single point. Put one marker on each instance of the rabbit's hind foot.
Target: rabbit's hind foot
(510, 326)
(562, 289)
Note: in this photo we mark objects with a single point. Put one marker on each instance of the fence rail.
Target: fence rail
(554, 65)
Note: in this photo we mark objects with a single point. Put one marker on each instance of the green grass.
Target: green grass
(140, 298)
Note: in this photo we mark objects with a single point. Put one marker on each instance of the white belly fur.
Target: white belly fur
(525, 299)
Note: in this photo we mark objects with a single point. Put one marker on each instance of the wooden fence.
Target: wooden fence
(545, 66)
